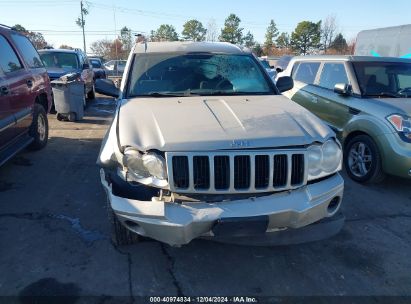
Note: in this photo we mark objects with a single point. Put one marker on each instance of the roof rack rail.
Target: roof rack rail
(3, 25)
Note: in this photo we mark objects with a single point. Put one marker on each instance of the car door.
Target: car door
(304, 75)
(332, 107)
(6, 115)
(33, 81)
(15, 91)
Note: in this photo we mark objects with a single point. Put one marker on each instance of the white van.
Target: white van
(385, 42)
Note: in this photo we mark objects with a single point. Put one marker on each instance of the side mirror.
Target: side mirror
(285, 83)
(106, 87)
(279, 70)
(343, 89)
(86, 66)
(272, 67)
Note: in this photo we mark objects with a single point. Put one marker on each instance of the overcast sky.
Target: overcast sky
(56, 18)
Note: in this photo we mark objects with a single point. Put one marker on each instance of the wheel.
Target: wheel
(120, 235)
(92, 94)
(362, 160)
(72, 116)
(60, 117)
(39, 128)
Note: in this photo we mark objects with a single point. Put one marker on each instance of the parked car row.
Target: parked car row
(203, 144)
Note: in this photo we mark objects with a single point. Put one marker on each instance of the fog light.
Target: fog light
(333, 205)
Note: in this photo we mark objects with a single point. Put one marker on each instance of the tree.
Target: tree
(328, 30)
(258, 50)
(249, 40)
(283, 41)
(36, 38)
(165, 32)
(306, 37)
(102, 48)
(66, 47)
(212, 31)
(126, 39)
(109, 49)
(194, 30)
(270, 36)
(339, 44)
(232, 32)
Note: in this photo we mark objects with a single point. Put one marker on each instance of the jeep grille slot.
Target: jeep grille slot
(225, 172)
(280, 171)
(242, 172)
(297, 173)
(262, 171)
(221, 172)
(201, 168)
(180, 172)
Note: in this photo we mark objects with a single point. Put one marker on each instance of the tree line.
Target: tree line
(308, 37)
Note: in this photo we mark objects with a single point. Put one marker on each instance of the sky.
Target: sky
(55, 19)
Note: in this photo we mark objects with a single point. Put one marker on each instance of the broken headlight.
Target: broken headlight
(148, 168)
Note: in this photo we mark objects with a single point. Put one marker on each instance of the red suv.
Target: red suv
(25, 95)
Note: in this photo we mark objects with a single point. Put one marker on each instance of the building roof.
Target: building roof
(189, 47)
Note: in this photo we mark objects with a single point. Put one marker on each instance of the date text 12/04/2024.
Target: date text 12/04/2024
(184, 299)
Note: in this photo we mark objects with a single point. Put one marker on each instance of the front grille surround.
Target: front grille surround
(232, 172)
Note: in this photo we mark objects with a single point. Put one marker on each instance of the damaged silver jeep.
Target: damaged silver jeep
(203, 144)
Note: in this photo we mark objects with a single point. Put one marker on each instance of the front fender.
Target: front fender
(110, 155)
(368, 124)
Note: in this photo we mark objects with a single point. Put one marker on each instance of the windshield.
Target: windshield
(95, 63)
(67, 61)
(159, 74)
(384, 79)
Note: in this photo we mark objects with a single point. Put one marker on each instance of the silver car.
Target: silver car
(203, 144)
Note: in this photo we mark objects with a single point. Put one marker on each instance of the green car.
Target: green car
(367, 102)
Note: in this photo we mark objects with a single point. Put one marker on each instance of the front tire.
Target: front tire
(39, 128)
(120, 235)
(362, 160)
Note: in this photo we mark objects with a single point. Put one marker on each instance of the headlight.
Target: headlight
(148, 169)
(402, 125)
(324, 159)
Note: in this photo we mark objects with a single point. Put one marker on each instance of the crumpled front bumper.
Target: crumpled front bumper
(178, 224)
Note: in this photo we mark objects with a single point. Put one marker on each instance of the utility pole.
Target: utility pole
(82, 26)
(115, 30)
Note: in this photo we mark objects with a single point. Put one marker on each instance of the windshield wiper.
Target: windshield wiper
(225, 93)
(168, 94)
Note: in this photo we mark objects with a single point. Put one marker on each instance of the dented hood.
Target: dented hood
(217, 123)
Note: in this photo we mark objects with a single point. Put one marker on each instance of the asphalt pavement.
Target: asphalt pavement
(54, 238)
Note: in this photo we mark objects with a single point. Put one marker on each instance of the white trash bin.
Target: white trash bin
(69, 99)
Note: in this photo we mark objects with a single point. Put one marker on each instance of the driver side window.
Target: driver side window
(333, 73)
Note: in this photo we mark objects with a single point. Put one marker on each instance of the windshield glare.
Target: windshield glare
(384, 79)
(67, 61)
(199, 74)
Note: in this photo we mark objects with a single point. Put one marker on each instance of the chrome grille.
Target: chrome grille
(236, 171)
